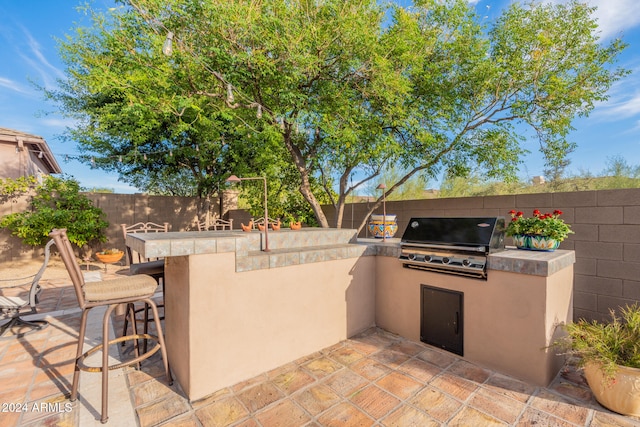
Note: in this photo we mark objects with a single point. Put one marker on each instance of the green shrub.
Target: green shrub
(607, 344)
(56, 203)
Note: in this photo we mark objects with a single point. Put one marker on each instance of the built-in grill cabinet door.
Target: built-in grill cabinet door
(441, 318)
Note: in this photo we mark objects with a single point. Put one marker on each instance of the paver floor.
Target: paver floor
(373, 379)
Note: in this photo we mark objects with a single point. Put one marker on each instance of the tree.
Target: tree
(617, 166)
(620, 174)
(346, 87)
(56, 203)
(151, 119)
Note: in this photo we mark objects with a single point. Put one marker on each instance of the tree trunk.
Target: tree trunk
(339, 213)
(369, 212)
(305, 184)
(305, 189)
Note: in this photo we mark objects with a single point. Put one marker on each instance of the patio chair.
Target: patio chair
(217, 224)
(13, 306)
(109, 293)
(141, 265)
(137, 263)
(260, 222)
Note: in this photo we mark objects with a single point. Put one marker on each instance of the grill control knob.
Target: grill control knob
(427, 258)
(466, 263)
(412, 257)
(446, 260)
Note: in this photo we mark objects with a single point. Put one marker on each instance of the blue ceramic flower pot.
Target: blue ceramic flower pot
(535, 242)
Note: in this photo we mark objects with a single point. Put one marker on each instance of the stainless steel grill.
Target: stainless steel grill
(458, 246)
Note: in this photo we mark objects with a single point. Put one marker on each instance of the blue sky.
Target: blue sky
(28, 29)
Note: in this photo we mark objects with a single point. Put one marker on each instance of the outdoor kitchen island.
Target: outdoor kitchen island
(233, 311)
(507, 322)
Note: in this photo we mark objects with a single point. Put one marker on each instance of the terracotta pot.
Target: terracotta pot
(109, 258)
(620, 394)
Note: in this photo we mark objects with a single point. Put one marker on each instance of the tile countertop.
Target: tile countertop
(287, 247)
(318, 245)
(537, 263)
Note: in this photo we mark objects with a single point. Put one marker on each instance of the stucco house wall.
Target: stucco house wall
(23, 154)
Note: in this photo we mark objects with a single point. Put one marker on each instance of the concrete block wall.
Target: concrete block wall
(606, 225)
(182, 214)
(606, 240)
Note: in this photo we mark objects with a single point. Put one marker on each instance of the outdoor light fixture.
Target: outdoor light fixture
(235, 179)
(167, 47)
(384, 212)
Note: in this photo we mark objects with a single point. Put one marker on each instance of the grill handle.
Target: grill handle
(482, 249)
(457, 323)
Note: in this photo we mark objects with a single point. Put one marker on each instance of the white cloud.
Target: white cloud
(624, 97)
(624, 108)
(59, 123)
(614, 16)
(38, 61)
(13, 85)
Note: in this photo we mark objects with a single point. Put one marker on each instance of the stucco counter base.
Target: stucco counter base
(233, 311)
(510, 320)
(223, 326)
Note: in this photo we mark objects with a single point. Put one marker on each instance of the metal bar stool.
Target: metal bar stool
(110, 293)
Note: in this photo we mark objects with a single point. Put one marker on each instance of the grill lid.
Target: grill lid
(456, 232)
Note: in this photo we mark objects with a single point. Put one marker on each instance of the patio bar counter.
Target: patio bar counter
(233, 311)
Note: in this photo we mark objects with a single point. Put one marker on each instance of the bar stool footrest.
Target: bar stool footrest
(140, 358)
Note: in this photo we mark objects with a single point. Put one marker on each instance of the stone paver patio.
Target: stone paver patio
(374, 379)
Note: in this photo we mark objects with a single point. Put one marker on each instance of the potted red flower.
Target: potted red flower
(538, 232)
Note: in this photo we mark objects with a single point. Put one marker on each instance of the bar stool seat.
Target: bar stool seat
(126, 287)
